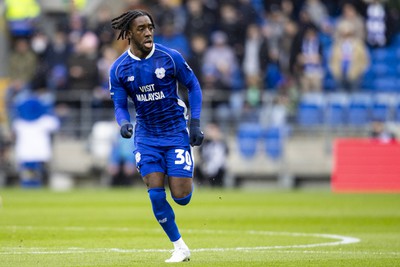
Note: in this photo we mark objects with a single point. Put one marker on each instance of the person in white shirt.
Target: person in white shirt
(33, 128)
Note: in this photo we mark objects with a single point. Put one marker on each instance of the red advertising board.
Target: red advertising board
(365, 165)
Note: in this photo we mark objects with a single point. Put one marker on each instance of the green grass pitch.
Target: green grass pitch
(259, 227)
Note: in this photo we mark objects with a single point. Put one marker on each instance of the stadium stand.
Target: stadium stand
(311, 110)
(248, 136)
(274, 138)
(315, 114)
(359, 112)
(336, 109)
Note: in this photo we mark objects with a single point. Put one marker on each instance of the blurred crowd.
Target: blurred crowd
(240, 50)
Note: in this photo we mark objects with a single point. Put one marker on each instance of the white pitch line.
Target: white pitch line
(118, 250)
(339, 240)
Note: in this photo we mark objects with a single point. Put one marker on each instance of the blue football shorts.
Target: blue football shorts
(176, 161)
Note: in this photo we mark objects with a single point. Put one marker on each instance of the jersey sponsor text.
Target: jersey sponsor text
(150, 97)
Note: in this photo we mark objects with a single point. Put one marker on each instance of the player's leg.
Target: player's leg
(180, 172)
(161, 208)
(165, 215)
(181, 191)
(152, 166)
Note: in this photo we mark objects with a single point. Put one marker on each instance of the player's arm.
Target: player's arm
(120, 100)
(186, 76)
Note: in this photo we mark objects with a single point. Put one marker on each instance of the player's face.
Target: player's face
(141, 35)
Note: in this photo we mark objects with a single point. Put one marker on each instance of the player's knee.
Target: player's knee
(183, 200)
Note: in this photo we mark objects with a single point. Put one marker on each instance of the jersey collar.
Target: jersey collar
(138, 58)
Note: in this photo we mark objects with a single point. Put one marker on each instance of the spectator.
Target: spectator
(101, 94)
(76, 28)
(288, 9)
(23, 62)
(285, 44)
(394, 11)
(16, 91)
(57, 57)
(275, 114)
(172, 38)
(248, 13)
(278, 32)
(318, 13)
(273, 30)
(349, 59)
(253, 91)
(220, 62)
(221, 72)
(213, 157)
(170, 12)
(83, 79)
(303, 23)
(82, 64)
(121, 163)
(231, 24)
(200, 20)
(255, 63)
(378, 23)
(198, 45)
(39, 44)
(107, 57)
(255, 51)
(308, 61)
(40, 47)
(102, 26)
(351, 16)
(381, 133)
(33, 128)
(250, 108)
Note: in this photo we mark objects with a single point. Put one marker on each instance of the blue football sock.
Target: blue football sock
(164, 213)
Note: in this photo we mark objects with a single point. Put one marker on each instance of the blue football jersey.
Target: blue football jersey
(152, 85)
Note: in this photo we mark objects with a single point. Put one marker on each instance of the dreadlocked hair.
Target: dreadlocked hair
(123, 22)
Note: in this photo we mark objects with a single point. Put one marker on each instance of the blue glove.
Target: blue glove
(126, 130)
(196, 135)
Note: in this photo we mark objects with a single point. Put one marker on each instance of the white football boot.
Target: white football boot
(180, 255)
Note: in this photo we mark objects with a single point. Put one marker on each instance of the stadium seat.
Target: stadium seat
(386, 84)
(382, 106)
(273, 138)
(248, 136)
(383, 69)
(383, 55)
(368, 78)
(359, 109)
(310, 110)
(336, 109)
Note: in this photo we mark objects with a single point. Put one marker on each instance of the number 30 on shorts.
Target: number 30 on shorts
(183, 156)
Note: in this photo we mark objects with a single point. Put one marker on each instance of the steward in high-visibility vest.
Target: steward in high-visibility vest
(19, 15)
(79, 4)
(21, 9)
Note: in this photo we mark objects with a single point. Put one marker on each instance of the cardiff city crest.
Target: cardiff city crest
(160, 73)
